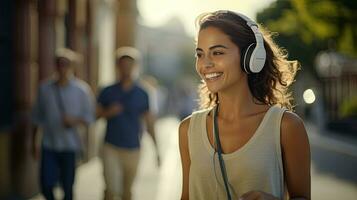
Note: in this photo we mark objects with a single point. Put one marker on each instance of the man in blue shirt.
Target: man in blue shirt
(124, 105)
(62, 104)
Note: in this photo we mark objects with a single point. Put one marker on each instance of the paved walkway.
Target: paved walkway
(153, 183)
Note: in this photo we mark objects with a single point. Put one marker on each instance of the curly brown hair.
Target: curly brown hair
(269, 86)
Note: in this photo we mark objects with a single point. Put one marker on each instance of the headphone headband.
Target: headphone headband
(253, 58)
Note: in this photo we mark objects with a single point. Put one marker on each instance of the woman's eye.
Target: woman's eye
(217, 53)
(198, 55)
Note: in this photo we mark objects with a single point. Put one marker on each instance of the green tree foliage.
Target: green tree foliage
(349, 107)
(306, 27)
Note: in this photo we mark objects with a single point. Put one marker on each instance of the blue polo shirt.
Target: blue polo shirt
(124, 130)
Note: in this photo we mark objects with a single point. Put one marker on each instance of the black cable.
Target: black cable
(219, 151)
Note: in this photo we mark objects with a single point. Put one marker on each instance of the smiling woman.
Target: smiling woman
(245, 142)
(270, 85)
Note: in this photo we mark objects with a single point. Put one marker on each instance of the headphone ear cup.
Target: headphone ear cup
(246, 57)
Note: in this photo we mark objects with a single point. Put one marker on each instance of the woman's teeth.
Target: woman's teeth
(213, 75)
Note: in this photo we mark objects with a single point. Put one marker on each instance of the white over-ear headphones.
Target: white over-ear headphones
(253, 57)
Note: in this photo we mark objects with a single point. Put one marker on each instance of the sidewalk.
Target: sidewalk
(165, 183)
(334, 151)
(344, 143)
(152, 183)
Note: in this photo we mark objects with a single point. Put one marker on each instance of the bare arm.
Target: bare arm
(296, 156)
(108, 112)
(185, 157)
(149, 119)
(69, 121)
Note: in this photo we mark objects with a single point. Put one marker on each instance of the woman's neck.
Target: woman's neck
(233, 106)
(237, 104)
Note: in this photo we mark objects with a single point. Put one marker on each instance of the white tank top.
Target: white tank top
(255, 166)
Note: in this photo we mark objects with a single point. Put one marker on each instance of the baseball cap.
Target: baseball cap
(129, 52)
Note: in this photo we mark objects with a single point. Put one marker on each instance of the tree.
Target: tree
(306, 27)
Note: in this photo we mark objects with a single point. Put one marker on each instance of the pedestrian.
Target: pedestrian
(124, 105)
(63, 104)
(246, 143)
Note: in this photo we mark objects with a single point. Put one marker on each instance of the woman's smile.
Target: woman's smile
(212, 76)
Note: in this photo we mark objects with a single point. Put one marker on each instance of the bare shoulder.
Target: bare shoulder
(183, 128)
(296, 156)
(185, 156)
(183, 134)
(291, 120)
(292, 129)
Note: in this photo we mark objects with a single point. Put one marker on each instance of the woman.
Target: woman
(245, 143)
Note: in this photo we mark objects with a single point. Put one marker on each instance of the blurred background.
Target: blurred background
(321, 35)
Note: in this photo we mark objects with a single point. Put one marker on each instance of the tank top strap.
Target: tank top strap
(277, 118)
(195, 129)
